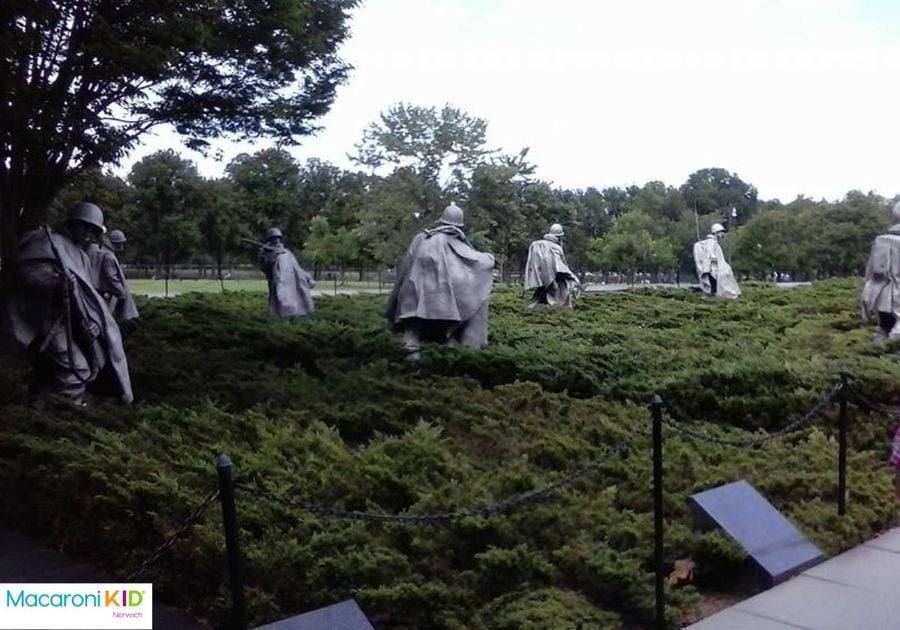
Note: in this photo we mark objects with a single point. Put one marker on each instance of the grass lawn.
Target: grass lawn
(177, 287)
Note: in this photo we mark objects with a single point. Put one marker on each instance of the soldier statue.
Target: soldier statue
(108, 277)
(290, 287)
(56, 314)
(713, 271)
(881, 293)
(442, 289)
(547, 272)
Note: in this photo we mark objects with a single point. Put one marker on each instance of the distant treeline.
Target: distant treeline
(365, 219)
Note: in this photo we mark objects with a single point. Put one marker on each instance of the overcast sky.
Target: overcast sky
(795, 96)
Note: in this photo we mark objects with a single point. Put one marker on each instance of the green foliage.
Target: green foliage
(817, 239)
(629, 247)
(428, 140)
(324, 410)
(716, 191)
(167, 194)
(102, 73)
(268, 184)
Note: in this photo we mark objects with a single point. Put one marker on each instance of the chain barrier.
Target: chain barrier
(819, 407)
(160, 551)
(441, 518)
(862, 401)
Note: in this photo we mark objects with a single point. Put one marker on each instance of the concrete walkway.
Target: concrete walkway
(23, 560)
(857, 590)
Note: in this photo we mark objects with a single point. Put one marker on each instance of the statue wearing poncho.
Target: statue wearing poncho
(713, 271)
(547, 272)
(442, 290)
(109, 278)
(881, 293)
(56, 314)
(290, 287)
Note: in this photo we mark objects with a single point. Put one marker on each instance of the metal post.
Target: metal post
(334, 277)
(842, 444)
(656, 407)
(232, 543)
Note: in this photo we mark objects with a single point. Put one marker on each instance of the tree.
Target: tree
(391, 215)
(82, 80)
(434, 151)
(108, 191)
(497, 217)
(835, 239)
(421, 137)
(715, 190)
(767, 243)
(167, 190)
(331, 246)
(630, 247)
(336, 198)
(222, 220)
(269, 186)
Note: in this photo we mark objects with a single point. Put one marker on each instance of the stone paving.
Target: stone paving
(857, 590)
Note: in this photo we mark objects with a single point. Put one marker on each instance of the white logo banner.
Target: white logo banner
(76, 606)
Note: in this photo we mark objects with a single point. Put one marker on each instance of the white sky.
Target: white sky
(795, 96)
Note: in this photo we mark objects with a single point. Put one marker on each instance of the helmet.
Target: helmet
(895, 213)
(716, 228)
(556, 229)
(88, 213)
(117, 236)
(274, 233)
(452, 215)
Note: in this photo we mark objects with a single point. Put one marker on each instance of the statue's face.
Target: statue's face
(720, 236)
(84, 234)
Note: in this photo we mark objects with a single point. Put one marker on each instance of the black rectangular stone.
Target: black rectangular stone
(774, 544)
(345, 615)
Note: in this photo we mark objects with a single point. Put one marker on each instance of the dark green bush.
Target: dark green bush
(324, 410)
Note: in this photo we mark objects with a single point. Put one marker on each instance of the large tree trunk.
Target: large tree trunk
(219, 272)
(24, 202)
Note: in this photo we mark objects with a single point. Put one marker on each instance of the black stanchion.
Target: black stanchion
(842, 444)
(656, 406)
(232, 543)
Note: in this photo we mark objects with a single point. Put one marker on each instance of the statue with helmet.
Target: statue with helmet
(57, 316)
(713, 271)
(881, 294)
(290, 287)
(548, 274)
(443, 288)
(109, 278)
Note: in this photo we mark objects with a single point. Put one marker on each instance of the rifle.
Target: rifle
(68, 299)
(250, 241)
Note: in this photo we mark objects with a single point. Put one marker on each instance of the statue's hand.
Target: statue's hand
(91, 330)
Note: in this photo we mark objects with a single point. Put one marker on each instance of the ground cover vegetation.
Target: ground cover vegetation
(324, 410)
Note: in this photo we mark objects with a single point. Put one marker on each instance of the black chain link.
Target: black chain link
(862, 401)
(179, 531)
(752, 442)
(505, 506)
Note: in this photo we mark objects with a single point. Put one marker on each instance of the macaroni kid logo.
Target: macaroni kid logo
(70, 606)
